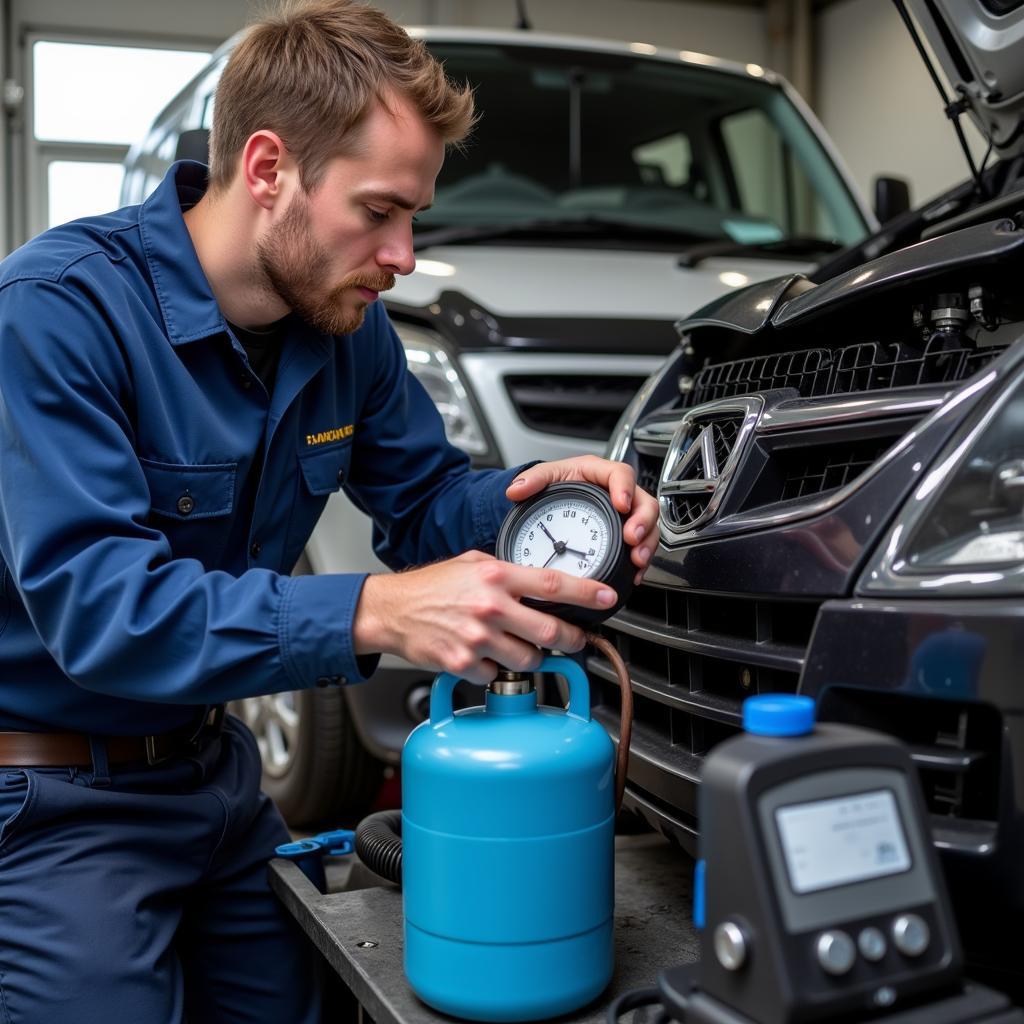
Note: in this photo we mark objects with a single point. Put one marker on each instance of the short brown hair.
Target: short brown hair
(312, 71)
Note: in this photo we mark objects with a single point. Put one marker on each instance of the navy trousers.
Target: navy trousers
(141, 897)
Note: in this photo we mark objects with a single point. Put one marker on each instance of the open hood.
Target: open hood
(980, 45)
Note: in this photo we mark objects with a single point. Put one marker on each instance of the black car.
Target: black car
(839, 460)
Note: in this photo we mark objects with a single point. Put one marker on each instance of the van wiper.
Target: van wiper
(565, 227)
(797, 245)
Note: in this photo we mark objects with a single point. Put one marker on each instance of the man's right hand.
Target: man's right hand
(464, 615)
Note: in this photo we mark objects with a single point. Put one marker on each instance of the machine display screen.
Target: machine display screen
(828, 843)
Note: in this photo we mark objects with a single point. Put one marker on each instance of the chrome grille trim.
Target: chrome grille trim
(782, 412)
(812, 412)
(687, 500)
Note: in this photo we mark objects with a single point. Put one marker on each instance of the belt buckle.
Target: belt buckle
(152, 757)
(211, 724)
(215, 719)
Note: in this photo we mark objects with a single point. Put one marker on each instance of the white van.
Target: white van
(608, 189)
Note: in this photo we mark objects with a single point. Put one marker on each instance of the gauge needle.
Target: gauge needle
(545, 529)
(552, 555)
(573, 551)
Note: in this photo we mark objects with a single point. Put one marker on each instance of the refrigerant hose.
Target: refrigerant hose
(379, 837)
(607, 648)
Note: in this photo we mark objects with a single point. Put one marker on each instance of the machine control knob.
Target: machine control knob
(730, 945)
(872, 945)
(910, 934)
(836, 952)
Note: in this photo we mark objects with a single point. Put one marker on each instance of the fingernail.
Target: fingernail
(640, 531)
(518, 482)
(629, 499)
(644, 554)
(606, 597)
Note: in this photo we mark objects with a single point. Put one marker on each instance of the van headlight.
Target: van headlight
(963, 528)
(436, 370)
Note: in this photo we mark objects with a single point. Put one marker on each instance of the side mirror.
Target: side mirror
(892, 197)
(194, 145)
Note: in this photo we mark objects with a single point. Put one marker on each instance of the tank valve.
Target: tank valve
(508, 684)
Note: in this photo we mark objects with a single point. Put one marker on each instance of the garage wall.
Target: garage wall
(877, 101)
(735, 32)
(725, 30)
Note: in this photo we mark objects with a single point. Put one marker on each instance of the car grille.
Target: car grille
(818, 469)
(693, 659)
(870, 366)
(695, 656)
(572, 406)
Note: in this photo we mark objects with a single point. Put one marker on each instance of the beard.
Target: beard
(294, 265)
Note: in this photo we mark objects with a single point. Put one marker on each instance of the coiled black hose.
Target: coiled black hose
(379, 844)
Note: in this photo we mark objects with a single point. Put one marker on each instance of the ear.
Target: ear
(268, 170)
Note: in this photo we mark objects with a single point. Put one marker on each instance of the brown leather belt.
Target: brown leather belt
(57, 749)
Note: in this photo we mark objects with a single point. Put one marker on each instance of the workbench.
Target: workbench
(359, 931)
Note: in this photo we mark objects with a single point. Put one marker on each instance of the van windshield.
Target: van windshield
(570, 136)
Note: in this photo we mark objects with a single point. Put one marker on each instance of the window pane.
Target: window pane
(669, 158)
(79, 188)
(755, 151)
(89, 93)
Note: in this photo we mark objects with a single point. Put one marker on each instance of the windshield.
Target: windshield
(570, 136)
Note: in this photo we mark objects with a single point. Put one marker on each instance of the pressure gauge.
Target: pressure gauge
(575, 528)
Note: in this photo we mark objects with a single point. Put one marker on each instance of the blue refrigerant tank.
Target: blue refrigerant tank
(508, 852)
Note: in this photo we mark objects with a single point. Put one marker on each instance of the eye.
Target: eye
(377, 216)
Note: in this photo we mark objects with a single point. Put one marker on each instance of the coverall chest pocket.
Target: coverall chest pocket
(192, 506)
(324, 471)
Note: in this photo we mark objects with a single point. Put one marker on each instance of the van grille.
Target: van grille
(572, 405)
(695, 657)
(870, 366)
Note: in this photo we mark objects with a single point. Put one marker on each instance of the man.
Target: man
(181, 386)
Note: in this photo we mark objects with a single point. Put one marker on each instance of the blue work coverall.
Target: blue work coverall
(136, 589)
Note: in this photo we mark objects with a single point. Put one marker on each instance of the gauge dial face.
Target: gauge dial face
(567, 533)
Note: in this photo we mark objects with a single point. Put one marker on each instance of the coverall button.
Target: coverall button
(324, 681)
(341, 476)
(186, 503)
(256, 548)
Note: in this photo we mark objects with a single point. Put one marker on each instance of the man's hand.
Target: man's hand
(464, 615)
(618, 480)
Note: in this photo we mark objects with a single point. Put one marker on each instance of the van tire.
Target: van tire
(327, 777)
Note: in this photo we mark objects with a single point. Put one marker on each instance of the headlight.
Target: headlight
(964, 525)
(435, 369)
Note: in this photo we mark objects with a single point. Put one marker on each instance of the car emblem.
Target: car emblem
(702, 456)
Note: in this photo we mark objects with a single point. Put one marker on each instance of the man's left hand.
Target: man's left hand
(618, 480)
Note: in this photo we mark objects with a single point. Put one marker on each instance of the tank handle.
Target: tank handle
(579, 689)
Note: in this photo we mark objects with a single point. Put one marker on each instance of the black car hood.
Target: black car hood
(796, 301)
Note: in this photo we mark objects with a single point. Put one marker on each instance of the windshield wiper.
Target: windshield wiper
(565, 227)
(797, 245)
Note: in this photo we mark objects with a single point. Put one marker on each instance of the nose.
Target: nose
(396, 255)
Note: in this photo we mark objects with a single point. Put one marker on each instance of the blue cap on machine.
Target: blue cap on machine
(778, 714)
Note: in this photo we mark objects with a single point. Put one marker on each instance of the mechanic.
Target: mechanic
(182, 384)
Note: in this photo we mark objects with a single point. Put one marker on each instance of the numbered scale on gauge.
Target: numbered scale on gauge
(568, 534)
(572, 527)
